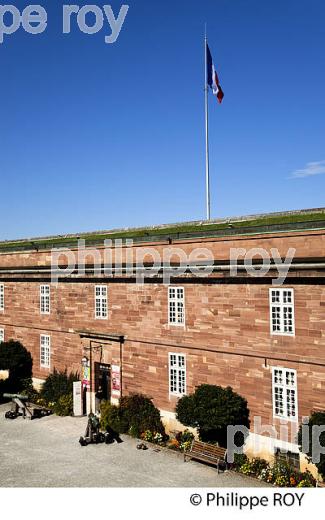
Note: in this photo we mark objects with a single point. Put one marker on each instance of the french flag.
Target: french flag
(212, 77)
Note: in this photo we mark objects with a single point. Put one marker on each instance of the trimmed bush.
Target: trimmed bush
(15, 358)
(211, 409)
(135, 415)
(141, 414)
(316, 419)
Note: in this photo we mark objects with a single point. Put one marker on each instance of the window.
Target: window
(45, 351)
(282, 312)
(2, 297)
(176, 305)
(45, 299)
(2, 335)
(284, 390)
(288, 457)
(101, 302)
(177, 374)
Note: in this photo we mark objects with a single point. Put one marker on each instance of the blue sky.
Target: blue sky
(98, 136)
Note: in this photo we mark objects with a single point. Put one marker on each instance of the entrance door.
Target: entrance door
(102, 381)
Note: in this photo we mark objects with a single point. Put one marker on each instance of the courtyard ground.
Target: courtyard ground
(46, 453)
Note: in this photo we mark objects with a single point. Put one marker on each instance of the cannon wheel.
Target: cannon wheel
(11, 415)
(82, 441)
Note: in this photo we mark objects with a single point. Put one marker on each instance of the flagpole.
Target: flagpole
(207, 165)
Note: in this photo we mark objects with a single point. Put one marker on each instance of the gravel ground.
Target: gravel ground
(46, 453)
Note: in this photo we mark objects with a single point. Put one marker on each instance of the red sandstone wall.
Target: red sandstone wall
(231, 318)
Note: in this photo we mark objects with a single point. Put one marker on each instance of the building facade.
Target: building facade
(229, 321)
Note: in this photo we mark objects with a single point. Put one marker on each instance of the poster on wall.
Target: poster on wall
(116, 381)
(86, 377)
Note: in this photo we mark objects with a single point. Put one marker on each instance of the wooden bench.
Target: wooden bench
(206, 453)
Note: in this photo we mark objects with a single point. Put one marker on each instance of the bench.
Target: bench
(206, 453)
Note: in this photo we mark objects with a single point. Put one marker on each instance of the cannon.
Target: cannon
(20, 406)
(93, 435)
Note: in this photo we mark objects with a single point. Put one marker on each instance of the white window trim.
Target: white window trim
(285, 416)
(43, 365)
(101, 298)
(172, 323)
(2, 297)
(44, 296)
(176, 394)
(2, 334)
(281, 305)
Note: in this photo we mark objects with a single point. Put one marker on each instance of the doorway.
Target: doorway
(102, 382)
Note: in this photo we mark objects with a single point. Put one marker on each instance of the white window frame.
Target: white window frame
(176, 300)
(101, 302)
(179, 372)
(45, 299)
(2, 335)
(282, 304)
(284, 386)
(45, 351)
(2, 297)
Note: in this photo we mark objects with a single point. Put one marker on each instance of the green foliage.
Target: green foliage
(184, 440)
(283, 475)
(58, 384)
(112, 417)
(17, 360)
(141, 414)
(64, 405)
(316, 419)
(254, 467)
(154, 437)
(184, 436)
(197, 228)
(211, 409)
(239, 460)
(29, 390)
(280, 474)
(134, 431)
(135, 415)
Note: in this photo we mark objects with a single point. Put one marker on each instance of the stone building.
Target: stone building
(225, 318)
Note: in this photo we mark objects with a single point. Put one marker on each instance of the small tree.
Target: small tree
(211, 409)
(18, 361)
(315, 419)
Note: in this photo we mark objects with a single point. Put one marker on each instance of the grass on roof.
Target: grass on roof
(92, 238)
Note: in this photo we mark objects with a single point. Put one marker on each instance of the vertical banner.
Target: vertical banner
(86, 376)
(116, 381)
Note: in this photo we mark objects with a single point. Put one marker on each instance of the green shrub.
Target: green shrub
(29, 390)
(239, 460)
(141, 414)
(134, 431)
(58, 384)
(185, 436)
(112, 417)
(135, 415)
(316, 419)
(64, 405)
(211, 409)
(15, 358)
